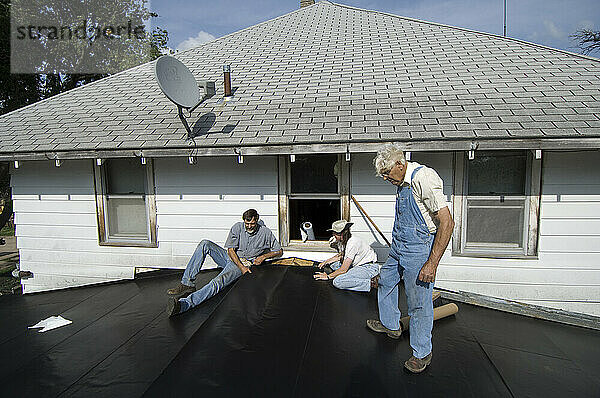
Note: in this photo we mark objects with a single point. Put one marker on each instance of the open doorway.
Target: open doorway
(313, 194)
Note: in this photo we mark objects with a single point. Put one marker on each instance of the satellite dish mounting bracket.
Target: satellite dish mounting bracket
(184, 121)
(190, 110)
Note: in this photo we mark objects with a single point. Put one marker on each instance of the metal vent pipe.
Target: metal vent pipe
(227, 79)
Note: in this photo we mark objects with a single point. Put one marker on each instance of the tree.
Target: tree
(158, 42)
(7, 210)
(73, 36)
(587, 40)
(19, 90)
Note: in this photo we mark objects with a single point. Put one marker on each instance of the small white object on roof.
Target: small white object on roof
(306, 231)
(51, 323)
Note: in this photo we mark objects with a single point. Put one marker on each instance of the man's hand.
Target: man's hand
(259, 260)
(245, 269)
(321, 264)
(321, 276)
(427, 273)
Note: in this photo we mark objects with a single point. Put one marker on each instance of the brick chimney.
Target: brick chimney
(306, 3)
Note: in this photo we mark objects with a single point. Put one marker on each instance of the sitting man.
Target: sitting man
(249, 243)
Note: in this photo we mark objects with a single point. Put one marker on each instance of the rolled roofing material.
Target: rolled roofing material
(277, 332)
(438, 313)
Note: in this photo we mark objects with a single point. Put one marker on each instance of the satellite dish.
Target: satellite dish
(178, 84)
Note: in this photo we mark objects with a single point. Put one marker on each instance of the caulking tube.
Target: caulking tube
(438, 313)
(306, 231)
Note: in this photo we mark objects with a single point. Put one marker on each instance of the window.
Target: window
(497, 205)
(313, 188)
(126, 203)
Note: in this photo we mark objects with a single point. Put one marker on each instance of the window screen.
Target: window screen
(127, 218)
(495, 222)
(126, 215)
(495, 212)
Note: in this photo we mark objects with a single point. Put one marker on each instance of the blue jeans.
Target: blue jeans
(228, 275)
(418, 298)
(356, 278)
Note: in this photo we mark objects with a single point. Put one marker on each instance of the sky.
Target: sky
(546, 22)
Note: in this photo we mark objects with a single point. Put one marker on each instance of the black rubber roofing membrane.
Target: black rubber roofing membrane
(276, 333)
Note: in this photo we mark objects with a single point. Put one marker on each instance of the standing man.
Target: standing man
(422, 229)
(249, 243)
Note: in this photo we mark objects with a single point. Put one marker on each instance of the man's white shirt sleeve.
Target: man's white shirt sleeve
(429, 187)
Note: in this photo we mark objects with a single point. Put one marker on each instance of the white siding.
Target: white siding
(57, 233)
(566, 274)
(203, 201)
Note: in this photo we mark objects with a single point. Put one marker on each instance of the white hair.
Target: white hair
(387, 157)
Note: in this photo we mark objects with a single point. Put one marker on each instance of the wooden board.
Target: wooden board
(293, 261)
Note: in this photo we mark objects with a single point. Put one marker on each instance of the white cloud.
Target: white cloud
(553, 30)
(191, 42)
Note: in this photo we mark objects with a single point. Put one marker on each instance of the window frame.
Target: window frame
(531, 203)
(284, 190)
(102, 214)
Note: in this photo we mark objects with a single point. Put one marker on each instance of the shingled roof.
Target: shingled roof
(330, 78)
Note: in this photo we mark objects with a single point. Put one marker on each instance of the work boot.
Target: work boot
(181, 290)
(173, 307)
(416, 365)
(375, 282)
(378, 327)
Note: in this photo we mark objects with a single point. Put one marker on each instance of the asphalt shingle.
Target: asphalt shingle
(330, 73)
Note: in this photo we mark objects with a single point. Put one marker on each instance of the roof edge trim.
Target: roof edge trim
(440, 145)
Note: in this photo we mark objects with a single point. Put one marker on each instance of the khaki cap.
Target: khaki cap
(340, 225)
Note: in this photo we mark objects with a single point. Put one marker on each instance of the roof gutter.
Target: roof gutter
(365, 146)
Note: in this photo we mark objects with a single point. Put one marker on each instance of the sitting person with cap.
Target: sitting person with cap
(355, 264)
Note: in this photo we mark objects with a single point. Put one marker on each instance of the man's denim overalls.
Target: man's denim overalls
(411, 246)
